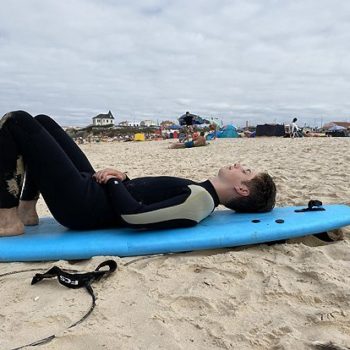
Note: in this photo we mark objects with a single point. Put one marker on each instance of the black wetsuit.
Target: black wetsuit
(162, 201)
(56, 167)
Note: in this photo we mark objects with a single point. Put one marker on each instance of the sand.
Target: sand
(287, 296)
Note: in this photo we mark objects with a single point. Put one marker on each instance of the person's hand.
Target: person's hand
(104, 175)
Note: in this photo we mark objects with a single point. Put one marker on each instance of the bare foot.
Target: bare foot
(10, 223)
(27, 212)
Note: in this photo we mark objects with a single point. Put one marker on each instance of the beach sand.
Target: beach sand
(286, 296)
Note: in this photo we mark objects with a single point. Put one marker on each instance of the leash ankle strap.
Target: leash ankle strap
(77, 280)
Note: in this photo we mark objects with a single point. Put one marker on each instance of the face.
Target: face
(236, 174)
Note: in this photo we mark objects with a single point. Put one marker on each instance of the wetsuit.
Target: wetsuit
(57, 168)
(162, 201)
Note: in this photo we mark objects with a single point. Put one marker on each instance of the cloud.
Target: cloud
(263, 60)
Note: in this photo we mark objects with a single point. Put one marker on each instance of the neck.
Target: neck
(224, 193)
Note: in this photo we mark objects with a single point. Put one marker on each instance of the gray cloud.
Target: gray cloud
(261, 61)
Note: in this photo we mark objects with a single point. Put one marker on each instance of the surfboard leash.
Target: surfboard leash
(313, 205)
(70, 280)
(316, 205)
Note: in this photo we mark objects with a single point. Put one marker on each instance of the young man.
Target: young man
(80, 198)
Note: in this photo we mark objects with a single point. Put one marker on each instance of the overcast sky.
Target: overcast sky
(239, 60)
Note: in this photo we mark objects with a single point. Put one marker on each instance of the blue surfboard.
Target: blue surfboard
(223, 229)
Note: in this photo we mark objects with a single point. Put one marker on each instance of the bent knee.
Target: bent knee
(45, 120)
(17, 115)
(21, 118)
(42, 118)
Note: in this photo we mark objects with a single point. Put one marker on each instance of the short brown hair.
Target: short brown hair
(261, 199)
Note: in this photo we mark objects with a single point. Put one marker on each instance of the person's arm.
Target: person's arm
(186, 209)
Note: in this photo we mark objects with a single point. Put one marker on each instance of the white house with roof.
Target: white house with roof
(148, 123)
(127, 123)
(103, 119)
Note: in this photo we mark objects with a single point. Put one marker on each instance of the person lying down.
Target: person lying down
(196, 142)
(39, 151)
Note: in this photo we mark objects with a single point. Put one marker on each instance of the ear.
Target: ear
(242, 190)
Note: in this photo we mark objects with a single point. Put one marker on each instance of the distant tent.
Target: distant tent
(227, 131)
(270, 130)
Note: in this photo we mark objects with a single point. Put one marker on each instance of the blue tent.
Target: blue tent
(227, 131)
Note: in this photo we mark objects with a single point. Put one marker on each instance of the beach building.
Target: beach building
(148, 123)
(126, 123)
(103, 119)
(123, 123)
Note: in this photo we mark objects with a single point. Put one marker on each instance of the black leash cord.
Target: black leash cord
(69, 280)
(49, 338)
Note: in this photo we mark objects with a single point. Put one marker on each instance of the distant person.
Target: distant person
(312, 134)
(182, 137)
(295, 130)
(248, 133)
(198, 141)
(195, 134)
(78, 197)
(212, 131)
(188, 119)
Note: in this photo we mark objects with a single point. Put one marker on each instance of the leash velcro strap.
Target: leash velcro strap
(76, 280)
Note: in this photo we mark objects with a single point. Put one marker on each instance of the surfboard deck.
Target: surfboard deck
(51, 241)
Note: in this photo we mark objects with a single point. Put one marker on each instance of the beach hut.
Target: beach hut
(227, 131)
